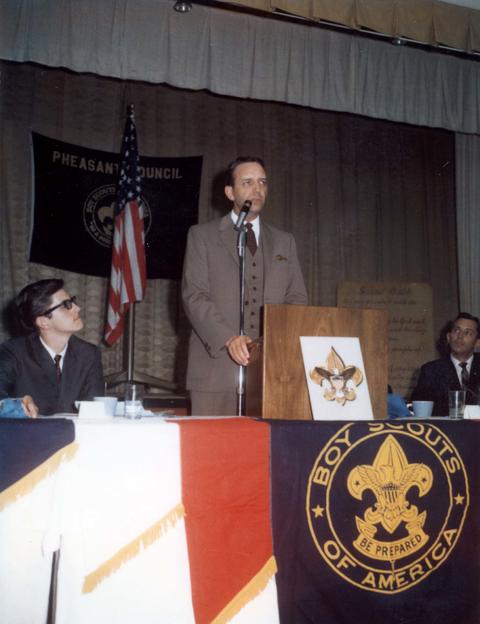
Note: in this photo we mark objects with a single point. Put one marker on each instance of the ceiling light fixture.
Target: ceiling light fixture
(182, 7)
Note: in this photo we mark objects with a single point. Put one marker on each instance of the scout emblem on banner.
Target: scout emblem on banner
(375, 521)
(385, 532)
(390, 478)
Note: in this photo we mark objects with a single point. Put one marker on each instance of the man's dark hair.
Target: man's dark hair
(468, 317)
(34, 299)
(240, 160)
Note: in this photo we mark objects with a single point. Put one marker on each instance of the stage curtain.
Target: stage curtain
(251, 57)
(431, 22)
(231, 52)
(365, 199)
(247, 56)
(468, 219)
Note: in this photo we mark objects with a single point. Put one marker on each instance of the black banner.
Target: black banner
(75, 189)
(376, 521)
(27, 444)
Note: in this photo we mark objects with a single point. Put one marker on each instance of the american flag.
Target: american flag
(128, 273)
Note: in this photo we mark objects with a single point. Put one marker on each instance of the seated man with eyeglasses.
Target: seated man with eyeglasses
(50, 368)
(459, 370)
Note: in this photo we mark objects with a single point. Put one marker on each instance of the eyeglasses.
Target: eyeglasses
(469, 333)
(66, 303)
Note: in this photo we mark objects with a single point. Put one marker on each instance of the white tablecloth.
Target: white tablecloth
(115, 511)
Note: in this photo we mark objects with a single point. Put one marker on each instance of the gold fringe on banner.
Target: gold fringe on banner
(132, 549)
(248, 593)
(26, 484)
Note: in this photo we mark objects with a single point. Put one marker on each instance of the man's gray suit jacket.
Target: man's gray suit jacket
(27, 368)
(210, 291)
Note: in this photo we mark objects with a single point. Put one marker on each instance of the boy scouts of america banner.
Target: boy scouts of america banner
(376, 522)
(75, 192)
(372, 522)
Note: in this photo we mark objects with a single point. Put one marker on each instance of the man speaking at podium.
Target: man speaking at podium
(211, 288)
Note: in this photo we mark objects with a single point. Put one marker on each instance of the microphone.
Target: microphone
(242, 215)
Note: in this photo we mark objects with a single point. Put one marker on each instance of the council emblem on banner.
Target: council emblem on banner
(98, 211)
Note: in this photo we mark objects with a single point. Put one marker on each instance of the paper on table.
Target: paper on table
(91, 409)
(472, 412)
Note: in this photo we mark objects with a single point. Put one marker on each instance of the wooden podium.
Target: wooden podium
(276, 386)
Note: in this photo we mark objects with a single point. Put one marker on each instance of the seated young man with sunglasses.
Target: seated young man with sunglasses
(50, 368)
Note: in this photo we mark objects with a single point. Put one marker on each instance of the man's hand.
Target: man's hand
(28, 404)
(237, 349)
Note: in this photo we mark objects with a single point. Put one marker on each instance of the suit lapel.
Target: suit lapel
(228, 237)
(44, 361)
(453, 381)
(69, 365)
(474, 379)
(266, 240)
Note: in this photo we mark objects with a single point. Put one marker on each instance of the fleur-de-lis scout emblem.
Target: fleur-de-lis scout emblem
(337, 380)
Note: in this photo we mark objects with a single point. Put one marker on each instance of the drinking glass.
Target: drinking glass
(134, 394)
(456, 404)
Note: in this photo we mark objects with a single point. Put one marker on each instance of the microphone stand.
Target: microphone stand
(241, 241)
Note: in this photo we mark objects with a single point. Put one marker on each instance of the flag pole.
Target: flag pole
(128, 277)
(131, 342)
(128, 374)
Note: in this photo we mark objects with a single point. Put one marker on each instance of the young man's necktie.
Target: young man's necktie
(58, 370)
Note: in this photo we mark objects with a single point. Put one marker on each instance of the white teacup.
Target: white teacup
(90, 409)
(109, 404)
(422, 409)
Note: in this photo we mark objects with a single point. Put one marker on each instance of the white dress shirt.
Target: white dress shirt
(52, 353)
(255, 225)
(458, 368)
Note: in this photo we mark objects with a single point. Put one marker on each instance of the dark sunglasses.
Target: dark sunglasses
(67, 304)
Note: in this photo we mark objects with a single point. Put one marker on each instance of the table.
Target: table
(236, 520)
(115, 508)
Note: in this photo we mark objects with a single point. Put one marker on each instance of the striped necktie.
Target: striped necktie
(464, 375)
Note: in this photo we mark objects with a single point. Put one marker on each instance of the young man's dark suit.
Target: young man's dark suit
(438, 377)
(27, 368)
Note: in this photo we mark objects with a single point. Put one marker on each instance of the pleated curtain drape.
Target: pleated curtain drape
(366, 199)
